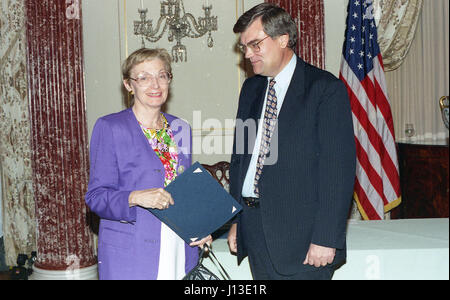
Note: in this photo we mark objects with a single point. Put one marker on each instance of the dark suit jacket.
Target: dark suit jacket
(306, 194)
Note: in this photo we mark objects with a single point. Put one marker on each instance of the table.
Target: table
(391, 249)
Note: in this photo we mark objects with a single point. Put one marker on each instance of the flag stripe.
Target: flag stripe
(364, 204)
(377, 142)
(358, 90)
(379, 156)
(374, 138)
(381, 90)
(375, 179)
(374, 159)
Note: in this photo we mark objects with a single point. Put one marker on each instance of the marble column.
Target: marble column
(59, 139)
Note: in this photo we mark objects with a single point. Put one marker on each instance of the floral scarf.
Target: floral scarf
(163, 143)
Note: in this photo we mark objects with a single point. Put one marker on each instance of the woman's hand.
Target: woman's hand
(207, 240)
(152, 198)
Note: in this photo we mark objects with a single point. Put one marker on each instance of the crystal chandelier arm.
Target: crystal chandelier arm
(152, 35)
(199, 30)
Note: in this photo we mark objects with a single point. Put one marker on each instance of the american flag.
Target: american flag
(377, 185)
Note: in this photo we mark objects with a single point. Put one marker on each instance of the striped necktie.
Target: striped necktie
(270, 117)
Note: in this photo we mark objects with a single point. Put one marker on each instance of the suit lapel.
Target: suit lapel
(294, 94)
(256, 102)
(252, 111)
(142, 144)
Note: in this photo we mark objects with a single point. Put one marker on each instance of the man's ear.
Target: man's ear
(284, 40)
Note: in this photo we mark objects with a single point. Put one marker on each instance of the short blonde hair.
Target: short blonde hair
(145, 54)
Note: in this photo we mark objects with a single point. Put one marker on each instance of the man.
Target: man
(296, 197)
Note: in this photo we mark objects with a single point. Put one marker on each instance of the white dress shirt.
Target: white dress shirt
(282, 81)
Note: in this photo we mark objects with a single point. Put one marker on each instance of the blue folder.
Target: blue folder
(201, 206)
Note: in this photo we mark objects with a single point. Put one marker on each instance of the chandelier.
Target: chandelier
(178, 23)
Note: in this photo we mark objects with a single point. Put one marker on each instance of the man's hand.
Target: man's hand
(207, 240)
(232, 244)
(319, 256)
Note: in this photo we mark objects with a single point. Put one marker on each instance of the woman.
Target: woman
(133, 155)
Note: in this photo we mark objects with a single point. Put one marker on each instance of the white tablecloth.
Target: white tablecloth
(391, 249)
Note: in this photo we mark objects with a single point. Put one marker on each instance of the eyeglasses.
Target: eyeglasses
(145, 79)
(254, 46)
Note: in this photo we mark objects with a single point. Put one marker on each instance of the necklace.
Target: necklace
(161, 123)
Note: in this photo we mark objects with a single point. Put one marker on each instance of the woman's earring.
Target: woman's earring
(131, 92)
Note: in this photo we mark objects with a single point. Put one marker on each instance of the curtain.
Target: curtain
(396, 24)
(309, 17)
(417, 85)
(19, 226)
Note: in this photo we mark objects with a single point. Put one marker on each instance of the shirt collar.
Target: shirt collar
(283, 78)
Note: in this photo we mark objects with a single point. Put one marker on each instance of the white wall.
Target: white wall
(335, 17)
(102, 58)
(207, 85)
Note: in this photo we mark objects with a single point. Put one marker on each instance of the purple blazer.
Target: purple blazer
(122, 161)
